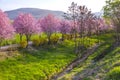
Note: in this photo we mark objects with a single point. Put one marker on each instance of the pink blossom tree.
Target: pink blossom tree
(38, 24)
(6, 29)
(49, 25)
(65, 27)
(103, 26)
(25, 24)
(100, 25)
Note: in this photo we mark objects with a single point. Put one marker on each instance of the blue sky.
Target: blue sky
(61, 5)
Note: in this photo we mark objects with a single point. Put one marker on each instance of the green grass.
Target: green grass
(36, 65)
(105, 64)
(42, 63)
(113, 74)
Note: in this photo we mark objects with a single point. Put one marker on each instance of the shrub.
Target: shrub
(113, 74)
(23, 44)
(54, 39)
(67, 36)
(43, 41)
(86, 42)
(36, 42)
(40, 41)
(68, 43)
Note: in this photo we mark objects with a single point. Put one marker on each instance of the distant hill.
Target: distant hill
(37, 13)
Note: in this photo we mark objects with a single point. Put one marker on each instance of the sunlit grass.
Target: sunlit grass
(107, 62)
(49, 60)
(36, 65)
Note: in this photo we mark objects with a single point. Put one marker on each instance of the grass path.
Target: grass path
(91, 70)
(76, 62)
(95, 70)
(39, 64)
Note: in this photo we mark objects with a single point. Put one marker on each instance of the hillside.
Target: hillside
(37, 13)
(44, 63)
(102, 64)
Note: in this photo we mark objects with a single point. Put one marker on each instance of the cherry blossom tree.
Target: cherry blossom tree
(38, 24)
(100, 26)
(25, 24)
(6, 29)
(72, 15)
(65, 27)
(50, 25)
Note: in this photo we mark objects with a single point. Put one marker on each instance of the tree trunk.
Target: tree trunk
(49, 42)
(62, 37)
(28, 38)
(20, 37)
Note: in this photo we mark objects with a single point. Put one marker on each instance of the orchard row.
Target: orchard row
(77, 21)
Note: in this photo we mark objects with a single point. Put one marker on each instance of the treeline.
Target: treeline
(79, 22)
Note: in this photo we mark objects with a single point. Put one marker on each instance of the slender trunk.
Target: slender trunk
(20, 37)
(39, 36)
(49, 41)
(62, 37)
(0, 42)
(71, 36)
(28, 38)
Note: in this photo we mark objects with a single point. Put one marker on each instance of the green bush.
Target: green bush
(65, 36)
(43, 41)
(54, 39)
(68, 36)
(87, 42)
(113, 74)
(23, 44)
(36, 42)
(68, 43)
(40, 41)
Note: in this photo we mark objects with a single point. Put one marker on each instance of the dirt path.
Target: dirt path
(12, 46)
(96, 70)
(75, 63)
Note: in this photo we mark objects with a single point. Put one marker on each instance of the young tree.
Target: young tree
(6, 29)
(103, 27)
(49, 25)
(84, 19)
(25, 25)
(85, 25)
(72, 15)
(65, 27)
(38, 24)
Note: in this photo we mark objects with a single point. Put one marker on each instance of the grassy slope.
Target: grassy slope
(92, 70)
(45, 62)
(38, 64)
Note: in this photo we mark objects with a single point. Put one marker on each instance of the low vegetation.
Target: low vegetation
(36, 63)
(106, 68)
(56, 43)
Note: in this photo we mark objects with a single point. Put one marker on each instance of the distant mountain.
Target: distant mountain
(37, 13)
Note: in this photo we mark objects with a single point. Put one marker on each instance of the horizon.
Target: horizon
(55, 5)
(32, 8)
